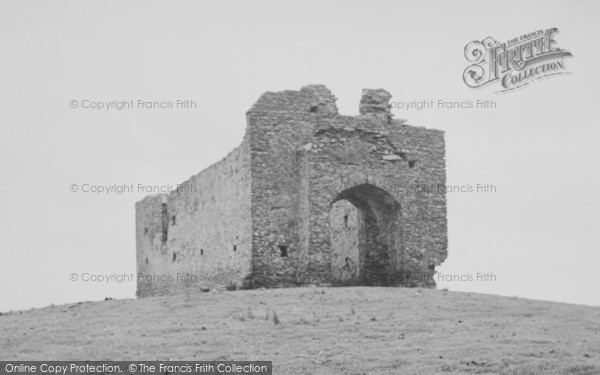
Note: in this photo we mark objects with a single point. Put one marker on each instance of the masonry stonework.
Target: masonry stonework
(309, 197)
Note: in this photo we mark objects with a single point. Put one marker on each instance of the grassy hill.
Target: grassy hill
(357, 330)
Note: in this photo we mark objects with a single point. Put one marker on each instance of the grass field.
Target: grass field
(357, 330)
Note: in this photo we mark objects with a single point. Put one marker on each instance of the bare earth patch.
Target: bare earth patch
(357, 330)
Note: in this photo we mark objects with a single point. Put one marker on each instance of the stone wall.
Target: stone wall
(345, 223)
(305, 157)
(382, 168)
(199, 235)
(280, 126)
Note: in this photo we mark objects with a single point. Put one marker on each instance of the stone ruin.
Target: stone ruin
(309, 197)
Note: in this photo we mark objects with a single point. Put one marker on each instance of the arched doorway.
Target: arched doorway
(365, 236)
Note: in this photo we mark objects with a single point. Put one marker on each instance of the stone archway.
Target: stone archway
(365, 236)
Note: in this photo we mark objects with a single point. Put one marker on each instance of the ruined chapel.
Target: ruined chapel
(310, 196)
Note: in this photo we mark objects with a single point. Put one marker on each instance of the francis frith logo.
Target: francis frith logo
(515, 63)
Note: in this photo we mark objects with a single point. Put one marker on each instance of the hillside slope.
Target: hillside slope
(357, 330)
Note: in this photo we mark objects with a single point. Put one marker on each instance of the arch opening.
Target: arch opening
(365, 236)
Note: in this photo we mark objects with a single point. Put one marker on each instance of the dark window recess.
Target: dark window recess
(283, 250)
(174, 257)
(146, 230)
(173, 219)
(146, 261)
(165, 223)
(346, 220)
(234, 247)
(201, 251)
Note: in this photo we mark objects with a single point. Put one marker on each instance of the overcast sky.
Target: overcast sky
(538, 233)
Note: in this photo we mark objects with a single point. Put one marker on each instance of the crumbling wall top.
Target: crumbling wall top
(324, 100)
(376, 102)
(315, 99)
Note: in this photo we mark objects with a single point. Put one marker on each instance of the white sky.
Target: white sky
(538, 233)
